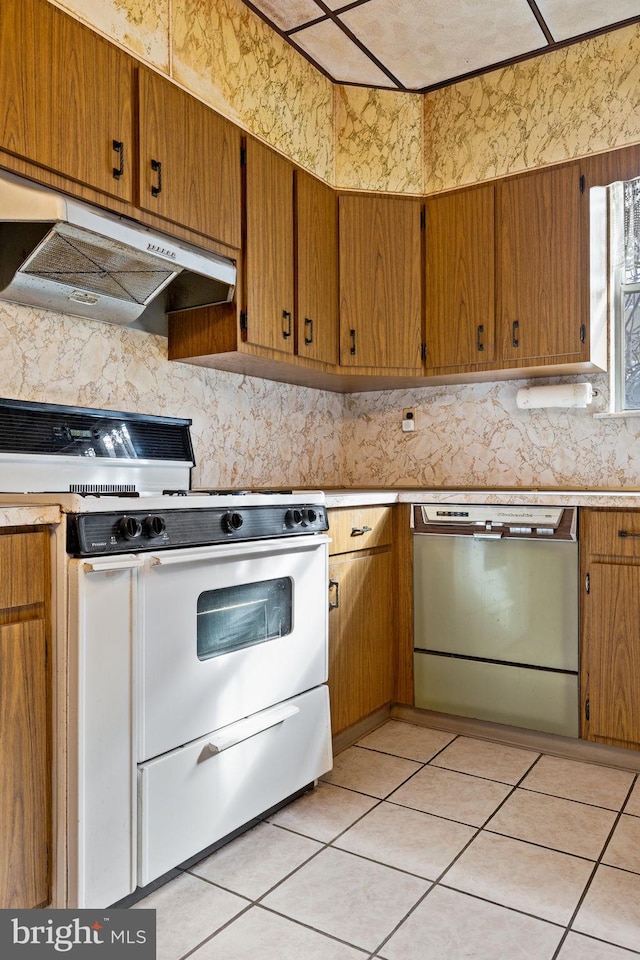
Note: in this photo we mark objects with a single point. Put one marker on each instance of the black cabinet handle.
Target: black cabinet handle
(515, 342)
(308, 330)
(286, 331)
(352, 334)
(118, 146)
(360, 531)
(156, 189)
(335, 586)
(626, 533)
(479, 343)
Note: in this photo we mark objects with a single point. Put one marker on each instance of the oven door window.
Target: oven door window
(232, 618)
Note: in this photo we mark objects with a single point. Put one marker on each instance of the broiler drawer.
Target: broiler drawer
(356, 529)
(197, 794)
(613, 533)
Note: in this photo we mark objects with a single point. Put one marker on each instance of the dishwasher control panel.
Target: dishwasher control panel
(495, 521)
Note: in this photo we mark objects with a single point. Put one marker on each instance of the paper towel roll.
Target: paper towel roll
(557, 395)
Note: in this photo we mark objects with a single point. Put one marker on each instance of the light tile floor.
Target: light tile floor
(424, 845)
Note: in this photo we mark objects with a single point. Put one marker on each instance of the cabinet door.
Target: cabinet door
(380, 283)
(460, 270)
(268, 249)
(189, 161)
(317, 269)
(611, 653)
(360, 638)
(539, 264)
(66, 97)
(25, 765)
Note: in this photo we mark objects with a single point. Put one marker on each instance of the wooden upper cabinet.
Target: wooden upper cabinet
(539, 262)
(316, 209)
(268, 249)
(380, 283)
(66, 97)
(604, 168)
(460, 272)
(189, 161)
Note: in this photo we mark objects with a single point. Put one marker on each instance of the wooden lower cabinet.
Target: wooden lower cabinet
(360, 637)
(362, 621)
(25, 708)
(610, 657)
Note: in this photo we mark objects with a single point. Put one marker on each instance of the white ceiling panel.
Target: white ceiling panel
(288, 14)
(328, 46)
(565, 17)
(421, 45)
(446, 39)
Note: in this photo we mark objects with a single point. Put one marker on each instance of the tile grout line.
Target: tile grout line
(598, 863)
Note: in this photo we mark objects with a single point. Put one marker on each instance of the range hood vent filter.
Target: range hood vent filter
(96, 265)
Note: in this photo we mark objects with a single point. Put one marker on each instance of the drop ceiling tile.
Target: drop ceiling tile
(445, 40)
(571, 18)
(339, 56)
(288, 14)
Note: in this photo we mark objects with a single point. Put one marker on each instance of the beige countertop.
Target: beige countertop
(32, 515)
(623, 499)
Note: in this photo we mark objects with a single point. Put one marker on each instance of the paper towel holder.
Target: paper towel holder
(556, 395)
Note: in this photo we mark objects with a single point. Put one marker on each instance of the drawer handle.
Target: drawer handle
(479, 333)
(626, 533)
(360, 531)
(515, 340)
(335, 586)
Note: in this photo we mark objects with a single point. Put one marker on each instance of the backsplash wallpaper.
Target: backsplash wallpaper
(474, 435)
(246, 432)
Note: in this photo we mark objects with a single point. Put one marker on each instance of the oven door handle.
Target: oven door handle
(244, 729)
(106, 564)
(237, 548)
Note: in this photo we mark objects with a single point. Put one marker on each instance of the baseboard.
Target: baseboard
(550, 743)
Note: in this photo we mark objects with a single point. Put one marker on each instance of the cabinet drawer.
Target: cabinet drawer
(23, 569)
(614, 534)
(358, 529)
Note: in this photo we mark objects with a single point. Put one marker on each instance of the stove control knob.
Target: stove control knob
(130, 528)
(311, 515)
(154, 527)
(232, 521)
(293, 518)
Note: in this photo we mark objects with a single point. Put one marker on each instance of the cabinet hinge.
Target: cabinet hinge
(586, 709)
(583, 184)
(243, 156)
(583, 333)
(243, 321)
(587, 583)
(423, 352)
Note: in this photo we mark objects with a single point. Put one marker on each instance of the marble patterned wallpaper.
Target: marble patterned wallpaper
(474, 435)
(566, 104)
(379, 140)
(245, 431)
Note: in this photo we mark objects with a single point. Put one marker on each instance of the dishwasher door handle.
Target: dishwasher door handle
(487, 535)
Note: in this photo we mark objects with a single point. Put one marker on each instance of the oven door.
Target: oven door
(227, 631)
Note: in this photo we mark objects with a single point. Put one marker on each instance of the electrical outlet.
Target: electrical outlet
(408, 419)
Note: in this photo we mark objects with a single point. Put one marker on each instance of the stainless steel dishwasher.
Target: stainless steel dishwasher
(496, 613)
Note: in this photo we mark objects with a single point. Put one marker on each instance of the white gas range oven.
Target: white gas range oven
(190, 644)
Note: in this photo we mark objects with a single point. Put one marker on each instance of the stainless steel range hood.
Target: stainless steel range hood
(73, 258)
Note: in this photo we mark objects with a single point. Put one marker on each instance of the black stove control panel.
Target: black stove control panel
(98, 534)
